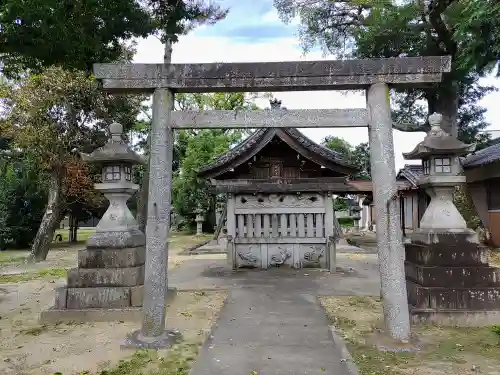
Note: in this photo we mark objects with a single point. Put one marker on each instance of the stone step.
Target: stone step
(102, 277)
(478, 298)
(460, 276)
(104, 297)
(455, 317)
(467, 254)
(111, 258)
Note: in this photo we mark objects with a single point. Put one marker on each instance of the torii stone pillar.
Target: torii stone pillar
(153, 333)
(389, 236)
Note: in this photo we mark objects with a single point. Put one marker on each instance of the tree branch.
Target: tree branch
(435, 10)
(410, 128)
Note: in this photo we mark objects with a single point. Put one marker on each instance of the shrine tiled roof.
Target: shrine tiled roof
(412, 173)
(485, 156)
(260, 138)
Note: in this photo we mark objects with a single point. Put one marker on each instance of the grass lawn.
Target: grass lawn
(444, 350)
(82, 235)
(178, 241)
(45, 274)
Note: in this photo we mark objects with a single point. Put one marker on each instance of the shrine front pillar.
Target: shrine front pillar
(389, 236)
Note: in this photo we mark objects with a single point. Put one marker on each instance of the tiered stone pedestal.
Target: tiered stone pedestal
(450, 282)
(108, 284)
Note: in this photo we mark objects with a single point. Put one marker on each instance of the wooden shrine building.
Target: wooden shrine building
(280, 210)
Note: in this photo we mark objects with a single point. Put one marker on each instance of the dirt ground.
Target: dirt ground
(27, 348)
(442, 350)
(11, 262)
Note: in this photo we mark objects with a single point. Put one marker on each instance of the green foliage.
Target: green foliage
(171, 18)
(345, 222)
(49, 116)
(202, 148)
(359, 155)
(37, 34)
(340, 204)
(22, 204)
(338, 144)
(41, 33)
(196, 149)
(466, 30)
(465, 206)
(478, 34)
(496, 329)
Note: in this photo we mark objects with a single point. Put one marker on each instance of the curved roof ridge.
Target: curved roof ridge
(333, 155)
(232, 153)
(261, 137)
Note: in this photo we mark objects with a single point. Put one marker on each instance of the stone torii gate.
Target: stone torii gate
(373, 75)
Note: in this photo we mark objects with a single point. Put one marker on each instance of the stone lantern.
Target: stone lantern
(199, 221)
(356, 215)
(116, 160)
(448, 278)
(108, 283)
(440, 154)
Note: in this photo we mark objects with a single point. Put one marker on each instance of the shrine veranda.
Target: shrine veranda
(375, 76)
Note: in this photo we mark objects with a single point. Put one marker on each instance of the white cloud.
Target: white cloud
(200, 49)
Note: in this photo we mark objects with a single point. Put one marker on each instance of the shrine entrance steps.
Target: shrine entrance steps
(275, 331)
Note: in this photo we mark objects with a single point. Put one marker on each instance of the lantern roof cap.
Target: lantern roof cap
(116, 149)
(438, 142)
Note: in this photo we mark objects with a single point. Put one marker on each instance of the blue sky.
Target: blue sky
(252, 31)
(249, 21)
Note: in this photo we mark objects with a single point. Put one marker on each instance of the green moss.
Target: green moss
(34, 331)
(371, 361)
(360, 319)
(177, 361)
(8, 258)
(46, 274)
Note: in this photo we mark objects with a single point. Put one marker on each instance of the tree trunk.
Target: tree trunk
(50, 220)
(73, 229)
(446, 102)
(74, 237)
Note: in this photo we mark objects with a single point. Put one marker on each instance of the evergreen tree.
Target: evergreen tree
(466, 30)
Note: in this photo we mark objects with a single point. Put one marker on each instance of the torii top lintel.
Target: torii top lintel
(273, 76)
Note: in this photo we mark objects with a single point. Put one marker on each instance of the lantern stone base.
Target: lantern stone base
(133, 238)
(133, 313)
(449, 280)
(107, 285)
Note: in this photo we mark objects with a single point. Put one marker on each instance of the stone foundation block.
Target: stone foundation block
(116, 240)
(455, 318)
(439, 254)
(456, 277)
(110, 297)
(479, 298)
(111, 258)
(61, 296)
(102, 277)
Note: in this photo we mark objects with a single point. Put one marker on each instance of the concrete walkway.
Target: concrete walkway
(272, 332)
(272, 323)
